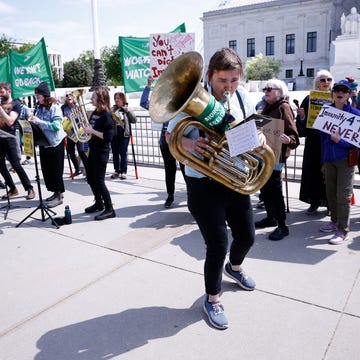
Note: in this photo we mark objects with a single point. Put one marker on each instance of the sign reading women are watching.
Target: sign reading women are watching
(135, 61)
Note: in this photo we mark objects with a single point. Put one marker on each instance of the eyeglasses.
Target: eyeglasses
(269, 89)
(324, 80)
(343, 89)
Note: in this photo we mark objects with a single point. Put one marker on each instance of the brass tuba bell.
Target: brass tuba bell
(179, 90)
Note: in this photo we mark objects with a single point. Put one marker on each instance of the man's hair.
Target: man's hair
(5, 85)
(224, 59)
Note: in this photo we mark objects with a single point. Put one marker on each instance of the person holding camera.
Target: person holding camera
(120, 142)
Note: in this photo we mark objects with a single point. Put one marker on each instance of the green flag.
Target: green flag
(4, 70)
(29, 69)
(135, 61)
(180, 28)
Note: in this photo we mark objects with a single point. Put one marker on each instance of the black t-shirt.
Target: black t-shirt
(103, 122)
(16, 107)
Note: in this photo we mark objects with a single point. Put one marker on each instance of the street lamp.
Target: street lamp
(301, 67)
(99, 76)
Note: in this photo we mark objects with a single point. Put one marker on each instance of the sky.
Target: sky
(67, 25)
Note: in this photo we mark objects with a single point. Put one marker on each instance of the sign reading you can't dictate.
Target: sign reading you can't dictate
(164, 48)
(331, 120)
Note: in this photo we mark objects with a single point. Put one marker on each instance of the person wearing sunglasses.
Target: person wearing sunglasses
(339, 169)
(312, 187)
(277, 106)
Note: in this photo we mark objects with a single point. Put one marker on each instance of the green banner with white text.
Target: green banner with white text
(4, 70)
(29, 69)
(135, 61)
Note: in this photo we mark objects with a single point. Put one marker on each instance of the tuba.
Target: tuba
(179, 90)
(77, 119)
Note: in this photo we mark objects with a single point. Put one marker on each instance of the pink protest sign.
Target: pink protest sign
(164, 48)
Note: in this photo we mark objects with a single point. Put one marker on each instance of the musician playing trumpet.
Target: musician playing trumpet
(213, 205)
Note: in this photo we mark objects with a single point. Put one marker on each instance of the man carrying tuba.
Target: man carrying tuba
(213, 205)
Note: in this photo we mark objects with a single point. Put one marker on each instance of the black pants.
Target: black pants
(170, 167)
(96, 176)
(214, 206)
(119, 147)
(9, 148)
(52, 166)
(273, 198)
(71, 151)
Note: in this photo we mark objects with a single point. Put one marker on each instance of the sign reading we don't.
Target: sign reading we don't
(165, 48)
(331, 120)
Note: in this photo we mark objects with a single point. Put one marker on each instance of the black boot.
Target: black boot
(106, 214)
(98, 206)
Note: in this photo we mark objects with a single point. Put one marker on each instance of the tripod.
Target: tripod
(40, 139)
(9, 206)
(42, 205)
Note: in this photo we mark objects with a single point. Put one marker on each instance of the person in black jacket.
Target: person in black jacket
(101, 128)
(170, 163)
(277, 106)
(123, 118)
(312, 188)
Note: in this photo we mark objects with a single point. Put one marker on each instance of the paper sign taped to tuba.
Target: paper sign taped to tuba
(242, 138)
(331, 120)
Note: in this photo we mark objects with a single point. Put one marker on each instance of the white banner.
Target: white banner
(165, 48)
(330, 120)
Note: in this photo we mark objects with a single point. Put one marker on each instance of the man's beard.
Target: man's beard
(4, 98)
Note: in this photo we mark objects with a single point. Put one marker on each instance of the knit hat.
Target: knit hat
(43, 89)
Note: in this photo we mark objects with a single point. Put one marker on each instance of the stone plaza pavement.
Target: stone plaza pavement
(132, 287)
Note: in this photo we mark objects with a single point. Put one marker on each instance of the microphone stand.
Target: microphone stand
(46, 213)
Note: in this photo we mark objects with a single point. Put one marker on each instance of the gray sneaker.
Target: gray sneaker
(58, 200)
(215, 313)
(243, 280)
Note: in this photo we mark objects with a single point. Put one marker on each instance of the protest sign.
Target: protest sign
(29, 69)
(316, 100)
(272, 132)
(164, 48)
(28, 138)
(331, 119)
(135, 61)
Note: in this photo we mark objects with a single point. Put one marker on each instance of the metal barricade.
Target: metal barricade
(147, 151)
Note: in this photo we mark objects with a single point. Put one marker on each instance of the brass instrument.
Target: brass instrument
(118, 117)
(179, 90)
(77, 119)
